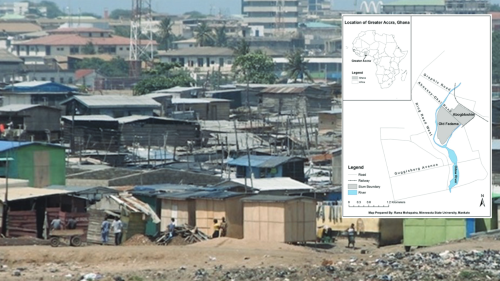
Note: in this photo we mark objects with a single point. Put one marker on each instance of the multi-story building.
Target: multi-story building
(437, 7)
(72, 41)
(276, 17)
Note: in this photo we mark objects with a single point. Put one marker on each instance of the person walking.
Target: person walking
(105, 225)
(216, 229)
(117, 229)
(351, 231)
(71, 223)
(171, 228)
(223, 227)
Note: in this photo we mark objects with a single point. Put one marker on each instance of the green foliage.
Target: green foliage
(221, 37)
(122, 31)
(53, 10)
(254, 67)
(297, 66)
(116, 67)
(495, 8)
(165, 36)
(163, 76)
(204, 35)
(242, 48)
(120, 13)
(88, 49)
(495, 63)
(195, 15)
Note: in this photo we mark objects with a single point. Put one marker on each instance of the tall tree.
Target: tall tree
(122, 31)
(297, 66)
(204, 35)
(120, 13)
(53, 10)
(163, 76)
(255, 67)
(221, 36)
(165, 36)
(195, 15)
(88, 49)
(116, 67)
(242, 48)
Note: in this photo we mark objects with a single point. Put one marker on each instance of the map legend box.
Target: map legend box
(417, 128)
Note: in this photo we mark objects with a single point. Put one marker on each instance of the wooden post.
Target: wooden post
(307, 131)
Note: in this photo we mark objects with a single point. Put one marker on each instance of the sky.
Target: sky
(171, 6)
(181, 6)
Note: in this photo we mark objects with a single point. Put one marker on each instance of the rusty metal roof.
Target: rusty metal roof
(284, 90)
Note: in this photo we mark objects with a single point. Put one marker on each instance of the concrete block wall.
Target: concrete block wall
(166, 176)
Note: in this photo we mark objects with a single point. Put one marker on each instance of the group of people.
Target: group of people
(57, 224)
(220, 229)
(117, 227)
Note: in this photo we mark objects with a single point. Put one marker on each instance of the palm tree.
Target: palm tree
(204, 35)
(221, 36)
(297, 66)
(241, 49)
(165, 33)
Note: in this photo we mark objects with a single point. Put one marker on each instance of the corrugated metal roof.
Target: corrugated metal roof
(334, 111)
(6, 56)
(319, 25)
(6, 145)
(135, 118)
(179, 195)
(166, 187)
(189, 101)
(108, 101)
(284, 90)
(216, 195)
(84, 190)
(268, 184)
(19, 193)
(17, 107)
(495, 144)
(106, 118)
(274, 198)
(261, 161)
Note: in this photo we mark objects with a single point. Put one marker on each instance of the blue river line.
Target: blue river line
(451, 154)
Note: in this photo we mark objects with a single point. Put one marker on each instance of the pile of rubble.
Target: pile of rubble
(188, 233)
(138, 240)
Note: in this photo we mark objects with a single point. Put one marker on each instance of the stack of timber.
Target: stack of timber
(22, 224)
(188, 233)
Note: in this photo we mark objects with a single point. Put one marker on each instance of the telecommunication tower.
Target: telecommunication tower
(141, 35)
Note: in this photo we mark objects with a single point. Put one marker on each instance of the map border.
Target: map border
(343, 159)
(409, 70)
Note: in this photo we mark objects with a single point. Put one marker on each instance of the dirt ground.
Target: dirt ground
(187, 262)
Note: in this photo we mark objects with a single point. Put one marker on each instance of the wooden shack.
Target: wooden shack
(384, 231)
(177, 205)
(285, 219)
(158, 131)
(133, 213)
(33, 122)
(212, 205)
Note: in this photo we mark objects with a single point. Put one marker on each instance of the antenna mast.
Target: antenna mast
(141, 27)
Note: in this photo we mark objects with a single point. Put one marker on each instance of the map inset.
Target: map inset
(384, 51)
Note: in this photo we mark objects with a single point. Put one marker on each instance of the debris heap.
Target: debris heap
(189, 233)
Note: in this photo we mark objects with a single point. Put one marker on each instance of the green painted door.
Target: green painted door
(151, 228)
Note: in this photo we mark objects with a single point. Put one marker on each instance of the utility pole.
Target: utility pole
(249, 165)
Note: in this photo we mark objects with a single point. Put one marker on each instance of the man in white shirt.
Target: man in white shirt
(117, 229)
